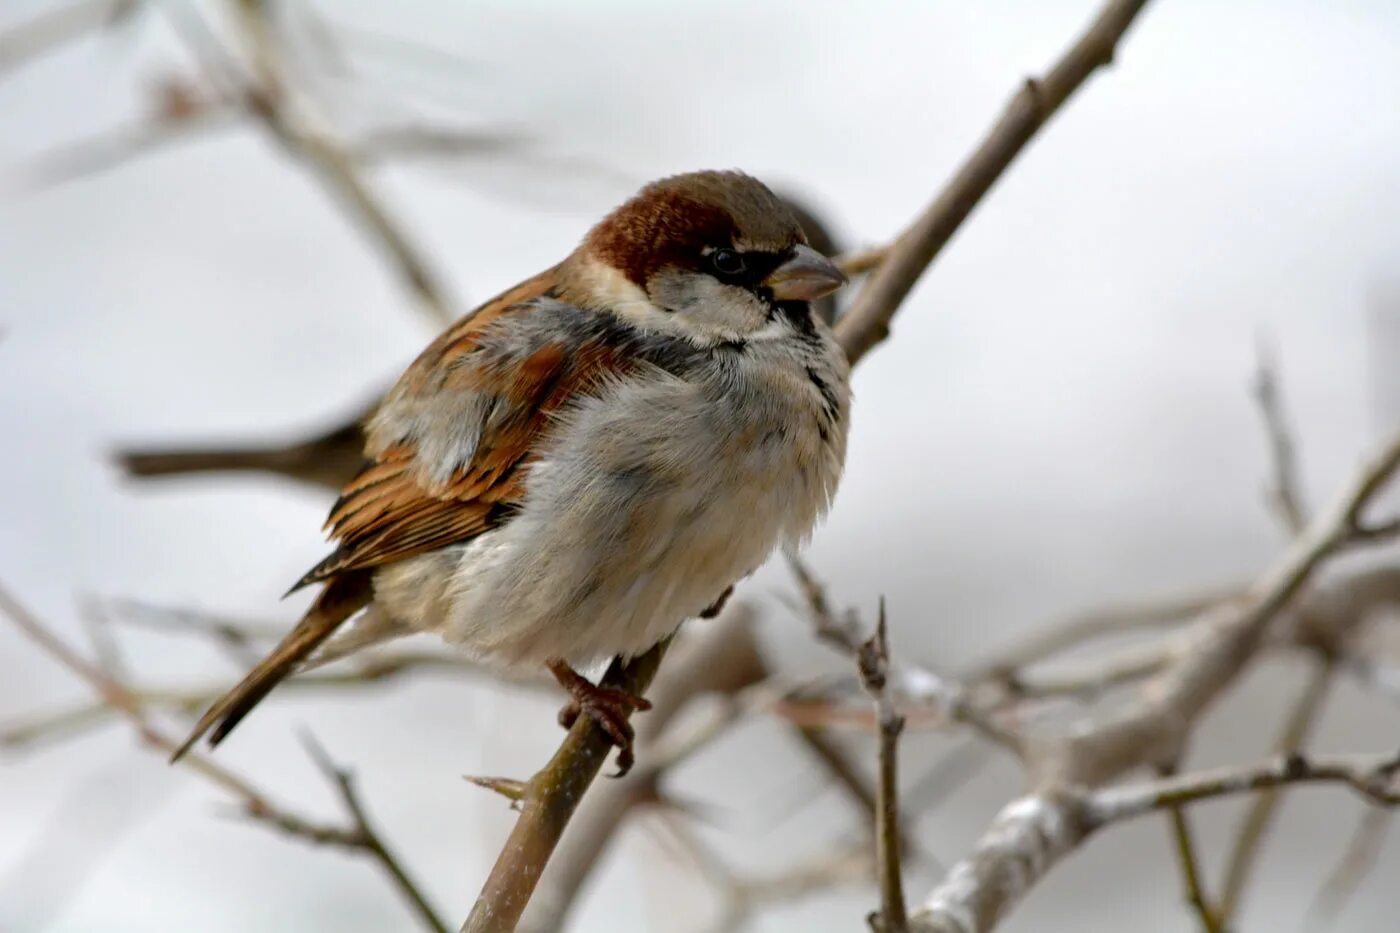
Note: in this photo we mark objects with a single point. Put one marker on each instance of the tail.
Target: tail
(343, 596)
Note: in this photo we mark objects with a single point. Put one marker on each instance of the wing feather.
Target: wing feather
(451, 445)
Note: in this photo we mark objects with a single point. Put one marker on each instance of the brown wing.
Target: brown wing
(447, 450)
(450, 442)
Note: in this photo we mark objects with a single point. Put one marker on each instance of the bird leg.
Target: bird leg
(607, 706)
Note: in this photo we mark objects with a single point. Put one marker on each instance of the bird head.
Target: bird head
(713, 256)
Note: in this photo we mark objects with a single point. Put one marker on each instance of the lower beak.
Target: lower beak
(807, 276)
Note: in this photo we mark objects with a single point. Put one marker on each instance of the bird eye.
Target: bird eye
(727, 262)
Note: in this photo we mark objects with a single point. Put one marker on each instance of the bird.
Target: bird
(578, 466)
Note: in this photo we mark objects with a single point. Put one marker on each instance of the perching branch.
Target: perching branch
(723, 659)
(549, 801)
(867, 321)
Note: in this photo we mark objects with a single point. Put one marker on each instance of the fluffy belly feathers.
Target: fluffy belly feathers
(615, 547)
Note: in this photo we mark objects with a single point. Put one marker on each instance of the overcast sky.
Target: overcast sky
(1060, 421)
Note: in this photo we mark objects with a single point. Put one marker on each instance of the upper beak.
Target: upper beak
(807, 276)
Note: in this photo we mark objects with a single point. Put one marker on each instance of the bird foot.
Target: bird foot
(607, 706)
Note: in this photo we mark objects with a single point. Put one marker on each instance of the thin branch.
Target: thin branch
(867, 321)
(1284, 491)
(369, 838)
(1032, 834)
(252, 802)
(873, 661)
(1360, 857)
(65, 722)
(1286, 500)
(1092, 678)
(1371, 776)
(862, 261)
(723, 659)
(842, 769)
(111, 148)
(841, 631)
(1184, 844)
(268, 102)
(52, 28)
(742, 896)
(1297, 732)
(1058, 637)
(550, 799)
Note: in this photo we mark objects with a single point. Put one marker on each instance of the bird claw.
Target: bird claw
(609, 707)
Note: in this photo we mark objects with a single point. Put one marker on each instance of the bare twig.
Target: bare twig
(52, 28)
(267, 100)
(549, 802)
(1297, 731)
(99, 153)
(862, 261)
(1090, 679)
(842, 632)
(1356, 863)
(873, 661)
(1285, 495)
(1034, 832)
(509, 788)
(742, 896)
(722, 659)
(1061, 636)
(182, 620)
(1184, 844)
(252, 802)
(1286, 500)
(866, 323)
(1371, 776)
(361, 672)
(838, 763)
(368, 839)
(1031, 835)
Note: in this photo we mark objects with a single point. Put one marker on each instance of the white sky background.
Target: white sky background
(1060, 421)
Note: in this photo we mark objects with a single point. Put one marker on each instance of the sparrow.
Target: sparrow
(596, 455)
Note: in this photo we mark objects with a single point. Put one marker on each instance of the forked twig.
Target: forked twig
(357, 837)
(867, 321)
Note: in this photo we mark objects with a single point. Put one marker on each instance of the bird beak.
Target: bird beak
(807, 276)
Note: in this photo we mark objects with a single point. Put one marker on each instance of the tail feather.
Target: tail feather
(343, 597)
(372, 628)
